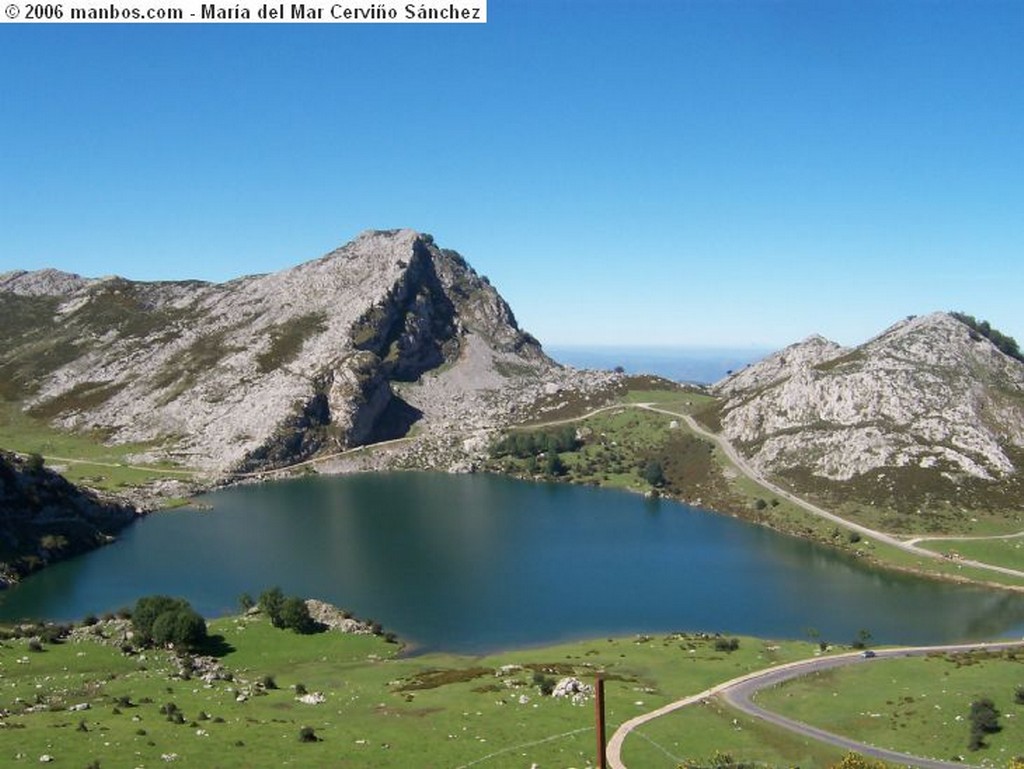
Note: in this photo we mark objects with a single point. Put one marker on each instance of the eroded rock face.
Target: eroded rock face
(926, 393)
(266, 370)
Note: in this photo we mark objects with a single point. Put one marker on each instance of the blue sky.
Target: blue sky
(652, 172)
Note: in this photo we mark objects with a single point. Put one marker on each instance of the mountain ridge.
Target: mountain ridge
(265, 370)
(924, 394)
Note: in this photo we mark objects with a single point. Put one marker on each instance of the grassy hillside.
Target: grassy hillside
(83, 458)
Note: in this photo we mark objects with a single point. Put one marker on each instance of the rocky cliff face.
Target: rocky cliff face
(354, 347)
(928, 409)
(43, 518)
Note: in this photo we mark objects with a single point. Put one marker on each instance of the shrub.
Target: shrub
(306, 734)
(984, 720)
(162, 619)
(268, 682)
(654, 473)
(300, 690)
(546, 683)
(727, 644)
(295, 616)
(182, 628)
(271, 603)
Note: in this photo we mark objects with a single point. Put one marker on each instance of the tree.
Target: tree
(272, 602)
(246, 602)
(654, 473)
(984, 720)
(553, 464)
(161, 619)
(182, 628)
(148, 609)
(295, 616)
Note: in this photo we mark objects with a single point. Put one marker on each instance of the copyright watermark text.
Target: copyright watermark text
(192, 11)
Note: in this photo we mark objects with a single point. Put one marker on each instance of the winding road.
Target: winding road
(908, 546)
(738, 693)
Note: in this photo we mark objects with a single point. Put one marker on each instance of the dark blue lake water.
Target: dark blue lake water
(474, 563)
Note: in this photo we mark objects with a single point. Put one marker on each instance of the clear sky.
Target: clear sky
(643, 172)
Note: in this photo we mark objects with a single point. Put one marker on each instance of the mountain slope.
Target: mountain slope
(269, 369)
(926, 413)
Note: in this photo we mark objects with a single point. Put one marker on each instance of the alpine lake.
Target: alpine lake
(475, 563)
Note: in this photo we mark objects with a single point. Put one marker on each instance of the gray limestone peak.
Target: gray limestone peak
(266, 370)
(927, 392)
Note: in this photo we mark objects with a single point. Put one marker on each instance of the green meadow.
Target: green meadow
(380, 709)
(919, 705)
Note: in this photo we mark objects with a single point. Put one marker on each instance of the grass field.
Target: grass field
(699, 732)
(917, 705)
(1003, 552)
(380, 710)
(94, 463)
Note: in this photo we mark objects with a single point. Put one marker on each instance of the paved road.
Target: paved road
(738, 693)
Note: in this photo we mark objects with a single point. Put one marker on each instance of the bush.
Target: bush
(546, 683)
(654, 473)
(984, 720)
(271, 603)
(295, 616)
(306, 734)
(268, 682)
(182, 628)
(727, 644)
(164, 620)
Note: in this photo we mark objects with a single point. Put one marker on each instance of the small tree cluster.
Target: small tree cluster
(162, 620)
(288, 612)
(1005, 344)
(530, 444)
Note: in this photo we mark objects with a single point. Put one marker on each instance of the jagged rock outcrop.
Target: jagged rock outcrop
(928, 401)
(266, 370)
(44, 518)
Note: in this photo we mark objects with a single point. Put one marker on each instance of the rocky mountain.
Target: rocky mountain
(43, 518)
(386, 332)
(928, 413)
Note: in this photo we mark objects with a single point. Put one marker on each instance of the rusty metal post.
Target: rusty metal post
(599, 716)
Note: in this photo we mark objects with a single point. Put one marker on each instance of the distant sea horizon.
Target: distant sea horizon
(700, 365)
